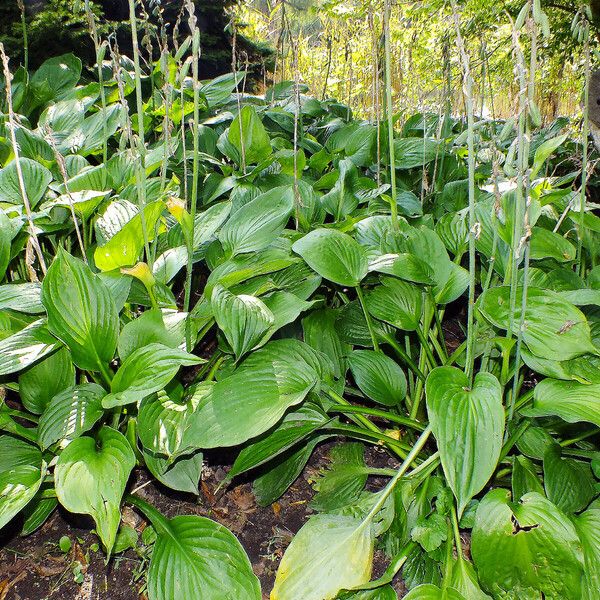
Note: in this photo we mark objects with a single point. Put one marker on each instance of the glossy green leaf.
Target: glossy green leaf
(429, 591)
(70, 413)
(569, 483)
(588, 527)
(22, 297)
(81, 311)
(125, 246)
(17, 487)
(249, 137)
(553, 328)
(378, 377)
(547, 244)
(468, 424)
(35, 179)
(243, 319)
(282, 373)
(540, 551)
(48, 377)
(90, 478)
(404, 266)
(333, 255)
(195, 555)
(569, 400)
(182, 475)
(258, 223)
(146, 371)
(396, 302)
(329, 553)
(25, 347)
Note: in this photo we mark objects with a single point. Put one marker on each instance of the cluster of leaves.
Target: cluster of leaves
(329, 311)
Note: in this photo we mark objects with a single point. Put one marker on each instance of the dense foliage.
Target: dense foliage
(432, 290)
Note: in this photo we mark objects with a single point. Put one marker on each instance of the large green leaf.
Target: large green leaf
(196, 557)
(243, 319)
(588, 527)
(405, 266)
(81, 311)
(526, 550)
(569, 483)
(90, 478)
(42, 381)
(255, 396)
(258, 223)
(569, 400)
(35, 179)
(396, 302)
(414, 152)
(553, 328)
(25, 347)
(294, 428)
(146, 371)
(55, 76)
(124, 247)
(249, 137)
(329, 553)
(334, 255)
(378, 376)
(182, 475)
(468, 424)
(70, 413)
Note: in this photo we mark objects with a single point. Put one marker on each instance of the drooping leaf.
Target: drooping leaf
(378, 376)
(541, 555)
(81, 311)
(90, 478)
(468, 424)
(70, 413)
(329, 553)
(182, 475)
(333, 255)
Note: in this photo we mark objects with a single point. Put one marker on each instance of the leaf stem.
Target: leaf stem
(368, 319)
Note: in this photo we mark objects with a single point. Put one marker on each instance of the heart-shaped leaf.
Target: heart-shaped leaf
(468, 424)
(81, 311)
(528, 549)
(243, 319)
(90, 478)
(71, 413)
(378, 376)
(334, 255)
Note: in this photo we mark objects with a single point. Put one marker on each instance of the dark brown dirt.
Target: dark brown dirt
(34, 568)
